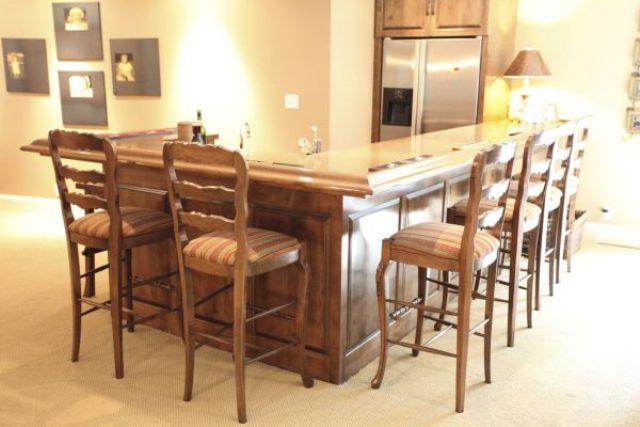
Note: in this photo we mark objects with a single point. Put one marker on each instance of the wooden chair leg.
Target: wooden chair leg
(90, 280)
(462, 335)
(514, 287)
(488, 327)
(301, 309)
(128, 280)
(188, 316)
(422, 294)
(552, 256)
(115, 290)
(239, 325)
(560, 239)
(382, 314)
(445, 300)
(76, 305)
(540, 250)
(531, 270)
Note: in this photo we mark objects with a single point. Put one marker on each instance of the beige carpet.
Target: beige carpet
(579, 366)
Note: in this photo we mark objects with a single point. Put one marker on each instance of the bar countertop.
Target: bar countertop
(359, 171)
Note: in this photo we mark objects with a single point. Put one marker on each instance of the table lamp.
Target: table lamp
(527, 64)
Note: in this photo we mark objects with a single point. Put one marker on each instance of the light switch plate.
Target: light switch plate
(291, 101)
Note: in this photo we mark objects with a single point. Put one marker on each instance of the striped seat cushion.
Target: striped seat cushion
(135, 221)
(444, 241)
(220, 247)
(531, 212)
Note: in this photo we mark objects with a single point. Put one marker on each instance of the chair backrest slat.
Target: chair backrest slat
(208, 193)
(86, 201)
(83, 176)
(496, 190)
(204, 222)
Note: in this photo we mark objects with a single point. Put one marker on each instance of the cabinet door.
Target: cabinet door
(458, 17)
(397, 18)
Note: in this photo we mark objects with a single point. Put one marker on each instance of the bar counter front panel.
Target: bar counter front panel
(342, 204)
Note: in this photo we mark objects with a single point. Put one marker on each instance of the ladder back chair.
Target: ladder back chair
(564, 186)
(579, 140)
(226, 247)
(456, 248)
(521, 218)
(539, 193)
(106, 226)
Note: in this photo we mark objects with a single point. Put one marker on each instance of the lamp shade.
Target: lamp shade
(528, 63)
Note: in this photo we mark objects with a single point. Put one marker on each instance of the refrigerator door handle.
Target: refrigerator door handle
(420, 87)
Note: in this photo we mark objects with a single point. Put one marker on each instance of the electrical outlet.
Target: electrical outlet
(291, 101)
(607, 213)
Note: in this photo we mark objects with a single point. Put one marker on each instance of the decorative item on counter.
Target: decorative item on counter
(25, 65)
(78, 32)
(317, 142)
(185, 131)
(135, 67)
(310, 147)
(526, 65)
(245, 138)
(304, 145)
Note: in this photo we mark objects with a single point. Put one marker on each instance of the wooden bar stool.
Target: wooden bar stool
(219, 246)
(450, 247)
(109, 227)
(573, 182)
(522, 219)
(562, 169)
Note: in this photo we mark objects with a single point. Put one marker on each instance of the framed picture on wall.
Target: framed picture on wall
(25, 65)
(82, 96)
(135, 67)
(633, 121)
(78, 32)
(634, 87)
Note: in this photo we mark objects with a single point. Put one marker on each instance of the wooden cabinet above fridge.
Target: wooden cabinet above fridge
(431, 18)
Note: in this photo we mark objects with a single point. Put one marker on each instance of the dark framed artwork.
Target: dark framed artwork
(82, 96)
(633, 121)
(634, 87)
(135, 66)
(78, 32)
(25, 65)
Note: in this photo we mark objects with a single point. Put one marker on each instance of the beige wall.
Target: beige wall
(235, 60)
(588, 47)
(351, 72)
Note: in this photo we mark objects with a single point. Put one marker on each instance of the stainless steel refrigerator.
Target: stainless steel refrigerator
(429, 85)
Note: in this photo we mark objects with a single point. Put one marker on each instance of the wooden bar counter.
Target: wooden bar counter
(342, 203)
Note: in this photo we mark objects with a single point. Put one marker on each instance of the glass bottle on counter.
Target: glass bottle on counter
(203, 130)
(197, 133)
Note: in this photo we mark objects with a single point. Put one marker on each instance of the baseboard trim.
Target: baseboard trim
(15, 202)
(613, 235)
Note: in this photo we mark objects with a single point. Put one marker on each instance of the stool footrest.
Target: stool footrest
(422, 307)
(106, 305)
(479, 325)
(94, 271)
(269, 353)
(422, 348)
(265, 312)
(154, 281)
(213, 294)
